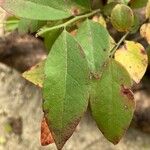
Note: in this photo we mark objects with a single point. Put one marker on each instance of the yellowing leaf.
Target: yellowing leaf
(145, 31)
(134, 58)
(36, 74)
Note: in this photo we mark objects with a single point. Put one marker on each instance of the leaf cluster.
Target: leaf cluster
(84, 66)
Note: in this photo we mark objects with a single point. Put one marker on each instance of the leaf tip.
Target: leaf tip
(59, 146)
(115, 141)
(46, 137)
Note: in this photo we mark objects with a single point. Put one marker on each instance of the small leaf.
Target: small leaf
(65, 88)
(36, 74)
(145, 31)
(46, 137)
(112, 102)
(134, 58)
(45, 9)
(122, 17)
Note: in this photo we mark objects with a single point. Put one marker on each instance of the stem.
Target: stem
(112, 52)
(64, 25)
(10, 22)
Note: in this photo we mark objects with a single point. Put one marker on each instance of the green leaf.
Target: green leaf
(65, 89)
(36, 74)
(27, 25)
(109, 83)
(122, 17)
(45, 9)
(112, 103)
(94, 38)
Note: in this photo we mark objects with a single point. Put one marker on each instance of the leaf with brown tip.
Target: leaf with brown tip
(65, 89)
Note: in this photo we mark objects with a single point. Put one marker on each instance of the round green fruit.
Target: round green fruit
(122, 17)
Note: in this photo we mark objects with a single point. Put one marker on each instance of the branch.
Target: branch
(64, 25)
(112, 52)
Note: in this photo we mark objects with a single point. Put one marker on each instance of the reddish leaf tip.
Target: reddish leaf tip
(46, 137)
